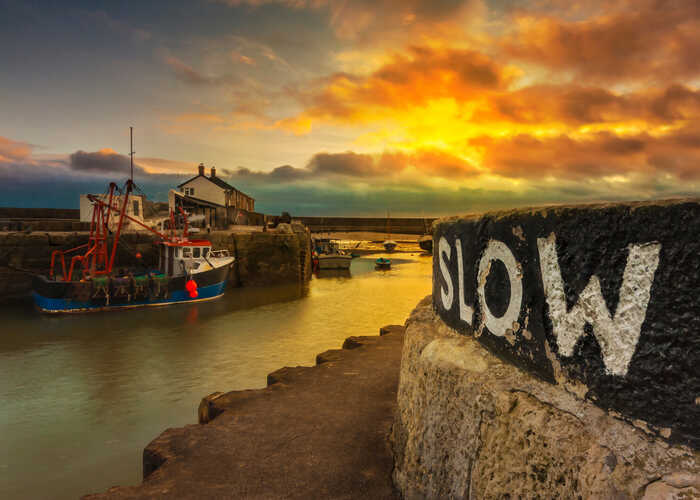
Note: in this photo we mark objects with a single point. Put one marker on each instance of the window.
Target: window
(177, 252)
(187, 252)
(189, 191)
(205, 251)
(195, 252)
(137, 212)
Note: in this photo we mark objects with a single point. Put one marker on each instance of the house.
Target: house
(216, 200)
(215, 190)
(133, 209)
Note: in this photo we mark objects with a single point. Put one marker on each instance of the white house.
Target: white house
(215, 190)
(134, 208)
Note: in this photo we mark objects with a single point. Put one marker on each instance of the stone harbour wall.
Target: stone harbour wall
(471, 424)
(600, 299)
(261, 258)
(558, 356)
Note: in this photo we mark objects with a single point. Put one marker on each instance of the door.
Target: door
(171, 258)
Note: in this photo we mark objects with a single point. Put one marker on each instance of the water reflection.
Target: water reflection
(82, 395)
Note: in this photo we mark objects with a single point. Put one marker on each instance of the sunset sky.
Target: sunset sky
(354, 107)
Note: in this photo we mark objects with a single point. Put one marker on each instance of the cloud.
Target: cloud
(187, 74)
(593, 156)
(644, 40)
(364, 21)
(577, 105)
(356, 167)
(237, 57)
(104, 161)
(413, 78)
(13, 151)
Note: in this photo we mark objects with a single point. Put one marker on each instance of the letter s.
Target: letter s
(447, 295)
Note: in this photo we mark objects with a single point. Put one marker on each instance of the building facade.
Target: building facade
(213, 189)
(134, 208)
(219, 203)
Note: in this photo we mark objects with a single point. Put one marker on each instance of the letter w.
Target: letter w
(617, 335)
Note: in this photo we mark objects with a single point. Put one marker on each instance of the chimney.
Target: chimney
(201, 169)
(213, 171)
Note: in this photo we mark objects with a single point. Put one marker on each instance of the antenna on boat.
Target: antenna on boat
(131, 151)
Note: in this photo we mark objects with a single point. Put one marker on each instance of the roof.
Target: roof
(218, 181)
(197, 201)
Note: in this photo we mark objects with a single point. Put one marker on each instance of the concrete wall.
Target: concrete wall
(39, 213)
(541, 315)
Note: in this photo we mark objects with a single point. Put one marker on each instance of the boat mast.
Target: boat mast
(131, 151)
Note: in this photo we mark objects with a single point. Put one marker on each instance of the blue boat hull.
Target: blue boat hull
(58, 297)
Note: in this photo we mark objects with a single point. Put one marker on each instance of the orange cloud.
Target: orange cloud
(424, 164)
(578, 105)
(594, 156)
(646, 40)
(13, 151)
(414, 79)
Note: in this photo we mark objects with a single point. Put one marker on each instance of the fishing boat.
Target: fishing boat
(328, 255)
(382, 263)
(189, 270)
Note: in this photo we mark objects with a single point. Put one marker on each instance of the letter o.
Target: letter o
(497, 250)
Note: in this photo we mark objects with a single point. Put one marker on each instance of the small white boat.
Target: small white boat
(389, 245)
(328, 255)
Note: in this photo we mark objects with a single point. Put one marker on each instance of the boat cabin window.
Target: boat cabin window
(205, 251)
(195, 252)
(187, 252)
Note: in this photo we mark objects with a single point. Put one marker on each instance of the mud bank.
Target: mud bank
(314, 432)
(261, 258)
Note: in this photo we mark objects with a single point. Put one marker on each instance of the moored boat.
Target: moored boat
(188, 270)
(328, 255)
(382, 263)
(389, 245)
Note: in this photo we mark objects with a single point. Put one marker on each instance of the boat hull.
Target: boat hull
(66, 297)
(334, 261)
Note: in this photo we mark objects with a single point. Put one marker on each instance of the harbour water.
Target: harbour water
(80, 396)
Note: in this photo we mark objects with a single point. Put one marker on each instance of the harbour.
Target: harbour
(83, 394)
(262, 249)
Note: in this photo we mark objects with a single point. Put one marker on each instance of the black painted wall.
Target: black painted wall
(662, 382)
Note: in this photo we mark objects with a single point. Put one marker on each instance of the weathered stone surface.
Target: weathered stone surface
(320, 434)
(391, 328)
(207, 411)
(600, 298)
(330, 356)
(469, 425)
(358, 341)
